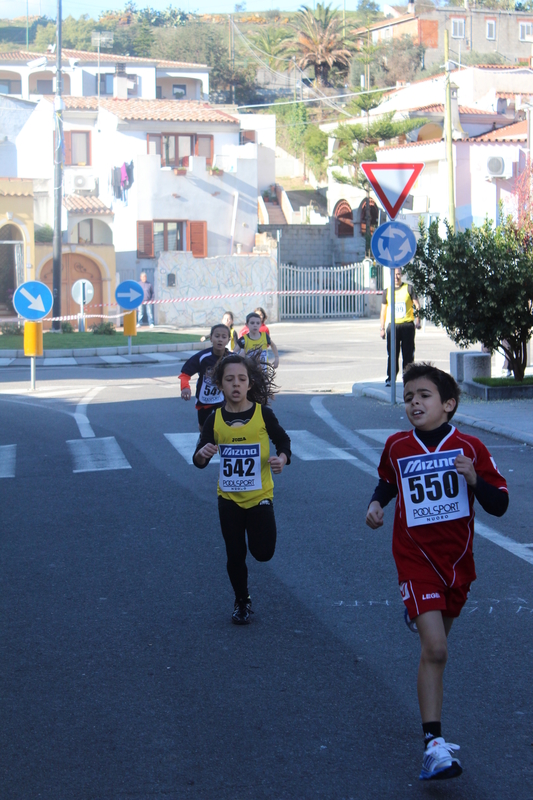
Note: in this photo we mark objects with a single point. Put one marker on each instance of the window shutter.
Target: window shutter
(209, 159)
(197, 239)
(145, 240)
(89, 155)
(68, 148)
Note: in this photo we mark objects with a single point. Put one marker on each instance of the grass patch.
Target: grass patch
(75, 341)
(528, 381)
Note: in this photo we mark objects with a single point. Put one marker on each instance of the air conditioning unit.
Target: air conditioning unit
(499, 167)
(79, 182)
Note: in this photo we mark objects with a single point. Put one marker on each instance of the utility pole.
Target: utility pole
(449, 142)
(232, 57)
(58, 182)
(27, 26)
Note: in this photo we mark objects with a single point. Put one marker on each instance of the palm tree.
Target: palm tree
(319, 41)
(270, 44)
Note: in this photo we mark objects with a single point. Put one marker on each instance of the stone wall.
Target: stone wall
(316, 245)
(194, 277)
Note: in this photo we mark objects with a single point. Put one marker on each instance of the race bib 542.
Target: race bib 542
(240, 467)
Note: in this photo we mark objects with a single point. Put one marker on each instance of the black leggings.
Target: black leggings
(405, 338)
(260, 525)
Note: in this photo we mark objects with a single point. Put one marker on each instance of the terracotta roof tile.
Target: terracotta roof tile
(408, 144)
(105, 58)
(77, 204)
(158, 110)
(438, 108)
(515, 132)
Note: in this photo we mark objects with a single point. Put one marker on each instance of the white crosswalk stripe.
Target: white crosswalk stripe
(308, 447)
(378, 434)
(96, 455)
(8, 458)
(185, 444)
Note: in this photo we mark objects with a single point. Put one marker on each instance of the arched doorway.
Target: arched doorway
(374, 216)
(11, 266)
(343, 219)
(74, 267)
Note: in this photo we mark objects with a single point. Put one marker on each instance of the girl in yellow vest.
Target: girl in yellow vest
(240, 432)
(257, 342)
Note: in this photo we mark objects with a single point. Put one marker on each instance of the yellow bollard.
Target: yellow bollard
(33, 338)
(130, 324)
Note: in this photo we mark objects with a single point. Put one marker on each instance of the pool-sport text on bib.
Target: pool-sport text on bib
(240, 467)
(433, 491)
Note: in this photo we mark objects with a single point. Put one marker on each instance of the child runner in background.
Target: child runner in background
(229, 320)
(240, 432)
(436, 472)
(208, 395)
(263, 314)
(256, 343)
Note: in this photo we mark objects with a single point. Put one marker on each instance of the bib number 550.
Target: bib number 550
(433, 486)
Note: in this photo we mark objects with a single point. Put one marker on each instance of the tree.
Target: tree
(316, 150)
(75, 33)
(319, 42)
(479, 284)
(272, 45)
(368, 11)
(358, 142)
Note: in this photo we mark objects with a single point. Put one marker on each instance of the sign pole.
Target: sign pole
(392, 337)
(32, 373)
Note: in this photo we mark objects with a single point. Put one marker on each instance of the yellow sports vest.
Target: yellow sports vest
(403, 305)
(250, 345)
(245, 475)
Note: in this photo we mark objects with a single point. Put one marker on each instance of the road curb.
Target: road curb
(176, 347)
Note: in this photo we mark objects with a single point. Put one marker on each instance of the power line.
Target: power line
(316, 99)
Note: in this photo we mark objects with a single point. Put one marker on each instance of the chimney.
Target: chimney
(120, 83)
(457, 130)
(410, 8)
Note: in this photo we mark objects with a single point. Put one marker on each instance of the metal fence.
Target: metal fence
(325, 280)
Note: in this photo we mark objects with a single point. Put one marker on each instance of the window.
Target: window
(525, 31)
(247, 136)
(175, 149)
(375, 37)
(491, 29)
(159, 236)
(77, 148)
(45, 87)
(458, 29)
(197, 239)
(386, 33)
(106, 83)
(10, 87)
(179, 90)
(158, 92)
(133, 85)
(85, 231)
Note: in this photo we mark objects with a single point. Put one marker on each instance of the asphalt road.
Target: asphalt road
(121, 675)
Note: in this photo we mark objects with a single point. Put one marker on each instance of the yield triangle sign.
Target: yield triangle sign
(392, 183)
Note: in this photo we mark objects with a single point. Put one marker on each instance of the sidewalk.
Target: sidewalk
(102, 356)
(510, 418)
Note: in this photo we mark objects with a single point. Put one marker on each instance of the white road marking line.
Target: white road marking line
(8, 457)
(95, 455)
(185, 444)
(309, 447)
(344, 432)
(378, 434)
(80, 415)
(522, 551)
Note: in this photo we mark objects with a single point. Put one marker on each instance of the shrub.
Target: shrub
(12, 329)
(104, 329)
(66, 327)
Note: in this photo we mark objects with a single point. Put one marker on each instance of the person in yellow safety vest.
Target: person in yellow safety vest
(405, 304)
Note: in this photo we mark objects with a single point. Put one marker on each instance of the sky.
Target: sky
(17, 8)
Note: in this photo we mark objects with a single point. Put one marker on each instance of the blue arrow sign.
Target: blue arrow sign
(129, 295)
(393, 244)
(33, 300)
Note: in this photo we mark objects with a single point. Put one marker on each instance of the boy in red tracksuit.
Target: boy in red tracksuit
(436, 472)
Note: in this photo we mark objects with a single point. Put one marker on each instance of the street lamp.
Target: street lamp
(101, 39)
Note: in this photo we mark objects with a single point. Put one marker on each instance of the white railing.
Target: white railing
(324, 280)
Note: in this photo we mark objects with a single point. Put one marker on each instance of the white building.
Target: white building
(30, 76)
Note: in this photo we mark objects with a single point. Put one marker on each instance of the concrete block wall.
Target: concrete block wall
(315, 245)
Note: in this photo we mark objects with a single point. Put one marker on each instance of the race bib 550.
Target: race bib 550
(432, 489)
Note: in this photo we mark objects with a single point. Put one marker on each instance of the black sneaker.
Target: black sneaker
(242, 611)
(387, 382)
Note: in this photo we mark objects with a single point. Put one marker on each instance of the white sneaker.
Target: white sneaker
(438, 763)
